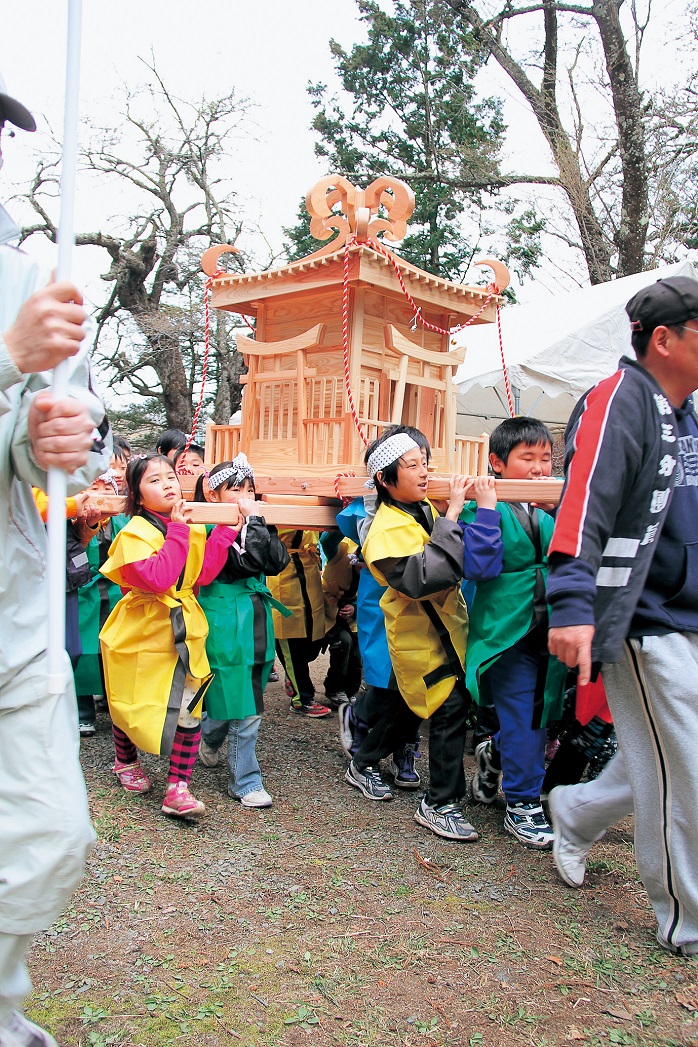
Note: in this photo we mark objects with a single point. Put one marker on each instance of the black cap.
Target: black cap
(666, 302)
(14, 111)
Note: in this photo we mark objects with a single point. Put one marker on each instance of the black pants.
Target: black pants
(396, 725)
(296, 656)
(344, 672)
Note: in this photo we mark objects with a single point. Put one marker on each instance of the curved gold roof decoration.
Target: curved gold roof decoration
(359, 210)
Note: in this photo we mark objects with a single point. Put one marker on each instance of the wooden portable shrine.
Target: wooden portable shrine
(337, 350)
(341, 350)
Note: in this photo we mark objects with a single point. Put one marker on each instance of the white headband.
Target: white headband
(109, 477)
(238, 470)
(388, 452)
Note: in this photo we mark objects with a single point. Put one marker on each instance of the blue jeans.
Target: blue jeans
(512, 684)
(245, 775)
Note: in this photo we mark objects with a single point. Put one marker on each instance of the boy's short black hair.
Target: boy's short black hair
(170, 440)
(520, 430)
(390, 472)
(196, 448)
(122, 448)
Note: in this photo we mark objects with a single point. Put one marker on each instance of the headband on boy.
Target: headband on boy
(387, 453)
(238, 471)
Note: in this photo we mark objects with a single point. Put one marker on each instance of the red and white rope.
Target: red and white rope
(345, 340)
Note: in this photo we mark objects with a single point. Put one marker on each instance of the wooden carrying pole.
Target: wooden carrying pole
(295, 511)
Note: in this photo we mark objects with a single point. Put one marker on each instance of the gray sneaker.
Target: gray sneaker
(485, 782)
(18, 1031)
(369, 781)
(208, 756)
(447, 820)
(570, 858)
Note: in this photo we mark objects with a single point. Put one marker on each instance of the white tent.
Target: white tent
(554, 352)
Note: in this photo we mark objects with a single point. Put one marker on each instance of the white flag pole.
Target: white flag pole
(57, 480)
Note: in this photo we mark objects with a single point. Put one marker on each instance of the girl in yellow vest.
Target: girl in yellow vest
(154, 641)
(418, 555)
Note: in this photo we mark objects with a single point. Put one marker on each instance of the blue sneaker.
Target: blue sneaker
(401, 767)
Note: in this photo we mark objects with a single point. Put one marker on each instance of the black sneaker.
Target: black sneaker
(527, 822)
(485, 781)
(401, 767)
(336, 698)
(447, 820)
(369, 782)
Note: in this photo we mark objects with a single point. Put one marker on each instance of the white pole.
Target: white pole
(57, 480)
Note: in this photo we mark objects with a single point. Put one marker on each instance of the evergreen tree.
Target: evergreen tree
(410, 110)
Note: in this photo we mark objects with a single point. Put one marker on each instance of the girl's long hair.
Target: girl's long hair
(134, 475)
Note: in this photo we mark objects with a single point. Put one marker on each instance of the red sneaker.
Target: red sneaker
(132, 777)
(180, 802)
(314, 709)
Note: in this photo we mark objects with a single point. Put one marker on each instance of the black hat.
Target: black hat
(14, 111)
(666, 302)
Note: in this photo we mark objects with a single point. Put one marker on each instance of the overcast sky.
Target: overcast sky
(267, 50)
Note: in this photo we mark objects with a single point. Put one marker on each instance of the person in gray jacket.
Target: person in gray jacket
(45, 828)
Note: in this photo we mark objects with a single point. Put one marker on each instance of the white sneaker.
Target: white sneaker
(20, 1032)
(570, 858)
(208, 756)
(257, 798)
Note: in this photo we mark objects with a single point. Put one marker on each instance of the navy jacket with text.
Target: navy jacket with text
(620, 461)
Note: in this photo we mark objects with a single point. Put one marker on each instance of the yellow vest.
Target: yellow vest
(427, 637)
(299, 587)
(152, 641)
(337, 579)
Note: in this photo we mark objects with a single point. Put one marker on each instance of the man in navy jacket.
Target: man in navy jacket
(613, 604)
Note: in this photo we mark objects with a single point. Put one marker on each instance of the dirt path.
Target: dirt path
(332, 920)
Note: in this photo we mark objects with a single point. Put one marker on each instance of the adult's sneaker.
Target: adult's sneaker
(527, 822)
(313, 709)
(369, 781)
(208, 755)
(485, 781)
(336, 698)
(87, 728)
(18, 1031)
(570, 858)
(447, 820)
(402, 769)
(180, 802)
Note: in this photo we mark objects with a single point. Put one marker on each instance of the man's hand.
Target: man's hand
(571, 645)
(48, 328)
(60, 432)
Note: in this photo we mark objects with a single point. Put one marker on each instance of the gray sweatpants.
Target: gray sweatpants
(45, 826)
(653, 696)
(586, 810)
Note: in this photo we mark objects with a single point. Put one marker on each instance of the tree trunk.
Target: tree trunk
(627, 105)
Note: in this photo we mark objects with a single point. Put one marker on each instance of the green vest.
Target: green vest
(502, 611)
